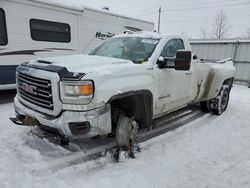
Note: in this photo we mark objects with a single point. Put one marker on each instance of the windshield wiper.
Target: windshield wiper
(140, 61)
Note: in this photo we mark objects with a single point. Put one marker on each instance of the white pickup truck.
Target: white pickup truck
(129, 78)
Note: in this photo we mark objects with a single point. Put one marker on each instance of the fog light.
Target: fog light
(79, 128)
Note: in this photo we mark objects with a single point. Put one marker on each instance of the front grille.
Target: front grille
(35, 90)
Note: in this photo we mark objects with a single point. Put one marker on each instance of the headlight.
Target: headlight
(77, 92)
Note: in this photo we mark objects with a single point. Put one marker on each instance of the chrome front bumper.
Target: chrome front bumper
(99, 120)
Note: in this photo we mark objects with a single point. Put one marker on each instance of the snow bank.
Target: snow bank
(212, 151)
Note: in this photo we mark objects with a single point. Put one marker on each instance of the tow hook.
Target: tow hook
(27, 121)
(16, 121)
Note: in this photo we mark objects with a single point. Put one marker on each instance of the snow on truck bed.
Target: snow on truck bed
(212, 151)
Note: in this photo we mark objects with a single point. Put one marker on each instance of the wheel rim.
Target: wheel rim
(224, 100)
(126, 131)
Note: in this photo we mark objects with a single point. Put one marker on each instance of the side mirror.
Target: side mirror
(166, 62)
(161, 62)
(183, 60)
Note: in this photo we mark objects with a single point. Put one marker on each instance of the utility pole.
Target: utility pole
(159, 20)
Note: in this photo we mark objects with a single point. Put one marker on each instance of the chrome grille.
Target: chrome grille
(35, 90)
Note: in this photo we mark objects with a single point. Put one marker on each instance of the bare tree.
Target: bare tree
(186, 35)
(221, 26)
(204, 31)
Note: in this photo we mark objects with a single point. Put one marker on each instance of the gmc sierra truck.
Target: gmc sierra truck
(120, 88)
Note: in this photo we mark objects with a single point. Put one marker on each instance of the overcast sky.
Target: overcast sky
(180, 16)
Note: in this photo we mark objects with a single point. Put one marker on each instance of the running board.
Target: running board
(169, 125)
(160, 126)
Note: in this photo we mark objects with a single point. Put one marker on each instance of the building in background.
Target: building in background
(237, 49)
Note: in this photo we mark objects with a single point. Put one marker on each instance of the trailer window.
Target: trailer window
(42, 30)
(3, 30)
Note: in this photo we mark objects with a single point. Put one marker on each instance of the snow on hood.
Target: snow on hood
(88, 63)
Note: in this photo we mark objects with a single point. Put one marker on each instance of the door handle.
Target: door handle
(188, 73)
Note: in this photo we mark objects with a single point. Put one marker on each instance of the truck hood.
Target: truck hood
(87, 63)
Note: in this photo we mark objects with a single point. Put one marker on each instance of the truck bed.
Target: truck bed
(211, 75)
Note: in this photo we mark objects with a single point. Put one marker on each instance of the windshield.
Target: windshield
(136, 49)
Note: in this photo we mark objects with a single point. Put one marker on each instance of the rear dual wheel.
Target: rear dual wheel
(219, 104)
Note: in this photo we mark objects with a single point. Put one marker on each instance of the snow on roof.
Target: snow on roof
(69, 4)
(148, 34)
(80, 6)
(145, 34)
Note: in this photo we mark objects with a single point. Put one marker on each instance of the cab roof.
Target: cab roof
(146, 34)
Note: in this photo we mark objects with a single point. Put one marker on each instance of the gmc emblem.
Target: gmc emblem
(29, 88)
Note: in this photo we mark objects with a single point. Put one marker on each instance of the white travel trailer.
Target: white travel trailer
(44, 28)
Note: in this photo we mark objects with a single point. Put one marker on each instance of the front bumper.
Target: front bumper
(71, 124)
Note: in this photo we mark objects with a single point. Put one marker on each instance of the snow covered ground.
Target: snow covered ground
(212, 151)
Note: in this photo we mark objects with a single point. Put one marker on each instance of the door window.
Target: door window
(171, 47)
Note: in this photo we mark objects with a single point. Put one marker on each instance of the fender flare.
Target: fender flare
(147, 103)
(131, 93)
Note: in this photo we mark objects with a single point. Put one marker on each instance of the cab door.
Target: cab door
(173, 85)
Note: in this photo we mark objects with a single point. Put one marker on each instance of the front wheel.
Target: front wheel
(126, 132)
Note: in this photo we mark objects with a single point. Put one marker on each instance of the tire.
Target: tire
(219, 104)
(126, 133)
(204, 106)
